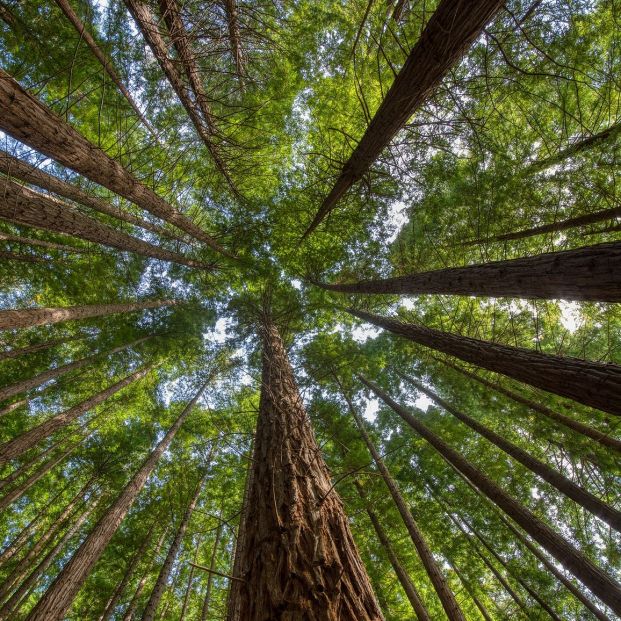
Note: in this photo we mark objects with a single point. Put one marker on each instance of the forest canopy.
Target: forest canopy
(309, 311)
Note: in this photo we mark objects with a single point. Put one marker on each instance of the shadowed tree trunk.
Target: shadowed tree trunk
(566, 421)
(188, 589)
(133, 604)
(37, 380)
(440, 583)
(27, 207)
(162, 579)
(14, 167)
(22, 351)
(575, 561)
(232, 19)
(447, 36)
(30, 317)
(26, 119)
(404, 579)
(584, 498)
(19, 445)
(12, 407)
(212, 567)
(590, 273)
(72, 16)
(58, 598)
(29, 241)
(477, 602)
(595, 384)
(299, 559)
(7, 255)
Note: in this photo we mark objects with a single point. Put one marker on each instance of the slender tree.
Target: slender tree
(232, 21)
(593, 383)
(13, 406)
(16, 352)
(212, 567)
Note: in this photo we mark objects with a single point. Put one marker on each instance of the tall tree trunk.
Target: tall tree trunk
(26, 119)
(13, 406)
(30, 317)
(594, 384)
(7, 255)
(212, 567)
(13, 167)
(188, 589)
(37, 380)
(589, 273)
(27, 207)
(16, 352)
(599, 436)
(133, 604)
(299, 559)
(204, 124)
(18, 446)
(16, 600)
(30, 241)
(477, 602)
(440, 583)
(72, 16)
(577, 563)
(160, 584)
(112, 603)
(434, 54)
(404, 579)
(232, 20)
(566, 486)
(58, 598)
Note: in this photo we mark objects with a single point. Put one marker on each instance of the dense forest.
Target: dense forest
(309, 310)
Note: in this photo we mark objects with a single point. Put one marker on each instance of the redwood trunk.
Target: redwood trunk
(232, 19)
(585, 499)
(12, 407)
(212, 567)
(577, 563)
(22, 351)
(451, 30)
(440, 584)
(299, 560)
(27, 207)
(26, 119)
(594, 384)
(589, 273)
(30, 317)
(58, 598)
(18, 446)
(29, 241)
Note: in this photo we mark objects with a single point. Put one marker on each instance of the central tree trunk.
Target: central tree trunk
(299, 561)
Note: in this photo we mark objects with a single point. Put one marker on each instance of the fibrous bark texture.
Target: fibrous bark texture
(452, 28)
(593, 383)
(299, 561)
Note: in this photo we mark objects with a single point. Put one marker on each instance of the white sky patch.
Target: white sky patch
(102, 4)
(361, 334)
(219, 332)
(571, 318)
(397, 217)
(370, 410)
(296, 283)
(408, 304)
(422, 402)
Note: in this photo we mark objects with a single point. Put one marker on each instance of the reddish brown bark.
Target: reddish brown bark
(575, 561)
(12, 407)
(22, 351)
(447, 36)
(37, 380)
(212, 567)
(27, 207)
(56, 600)
(594, 384)
(599, 436)
(30, 317)
(566, 486)
(299, 560)
(232, 19)
(18, 446)
(589, 273)
(29, 121)
(440, 584)
(29, 241)
(7, 255)
(18, 169)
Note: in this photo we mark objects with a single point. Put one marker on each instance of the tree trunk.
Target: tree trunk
(16, 600)
(29, 208)
(232, 19)
(450, 31)
(146, 22)
(599, 436)
(29, 241)
(14, 167)
(37, 380)
(160, 584)
(590, 273)
(133, 604)
(188, 590)
(13, 406)
(7, 255)
(212, 567)
(22, 351)
(477, 602)
(72, 16)
(299, 559)
(111, 604)
(30, 317)
(584, 498)
(18, 446)
(440, 584)
(404, 579)
(58, 598)
(577, 563)
(595, 384)
(26, 119)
